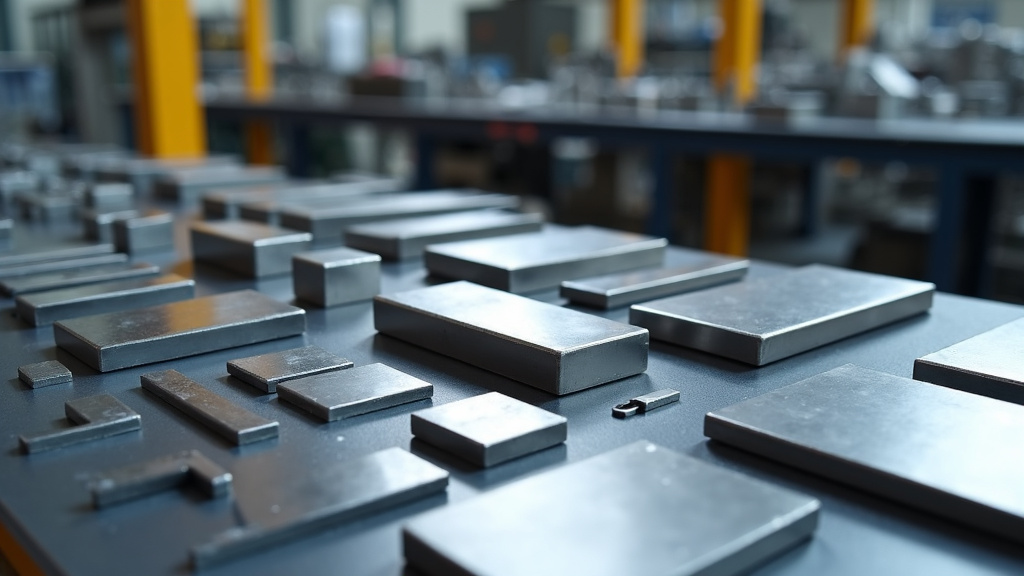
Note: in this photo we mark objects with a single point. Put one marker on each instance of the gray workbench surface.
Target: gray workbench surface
(45, 502)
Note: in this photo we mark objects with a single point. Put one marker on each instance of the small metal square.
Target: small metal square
(336, 395)
(266, 371)
(337, 276)
(43, 374)
(151, 232)
(489, 429)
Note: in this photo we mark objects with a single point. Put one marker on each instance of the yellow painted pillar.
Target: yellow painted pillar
(169, 119)
(259, 77)
(727, 194)
(626, 30)
(858, 24)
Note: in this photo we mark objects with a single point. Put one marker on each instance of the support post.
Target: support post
(626, 31)
(259, 78)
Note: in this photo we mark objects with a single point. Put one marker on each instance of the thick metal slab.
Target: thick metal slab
(337, 491)
(552, 348)
(47, 254)
(99, 226)
(186, 186)
(944, 451)
(141, 172)
(767, 319)
(109, 197)
(73, 278)
(330, 220)
(236, 424)
(177, 330)
(144, 479)
(62, 265)
(266, 371)
(42, 374)
(94, 418)
(542, 260)
(227, 204)
(489, 429)
(639, 509)
(700, 270)
(150, 232)
(336, 395)
(409, 237)
(990, 364)
(336, 276)
(43, 308)
(248, 248)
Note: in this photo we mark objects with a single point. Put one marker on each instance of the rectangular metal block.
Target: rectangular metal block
(227, 204)
(248, 248)
(62, 253)
(489, 429)
(336, 276)
(236, 424)
(73, 278)
(774, 317)
(50, 266)
(43, 308)
(327, 222)
(141, 172)
(138, 480)
(150, 232)
(109, 197)
(177, 330)
(549, 347)
(335, 395)
(47, 207)
(94, 418)
(99, 226)
(542, 260)
(186, 186)
(266, 371)
(701, 270)
(337, 491)
(990, 364)
(6, 227)
(947, 452)
(409, 237)
(639, 509)
(41, 374)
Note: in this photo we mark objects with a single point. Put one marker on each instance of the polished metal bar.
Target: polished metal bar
(335, 395)
(93, 418)
(153, 476)
(266, 371)
(72, 278)
(248, 248)
(336, 276)
(42, 308)
(51, 266)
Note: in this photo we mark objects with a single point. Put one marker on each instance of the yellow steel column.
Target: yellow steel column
(858, 24)
(169, 119)
(259, 78)
(626, 28)
(727, 195)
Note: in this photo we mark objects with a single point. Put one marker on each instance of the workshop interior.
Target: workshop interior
(511, 287)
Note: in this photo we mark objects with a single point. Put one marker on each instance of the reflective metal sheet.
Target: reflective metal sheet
(248, 248)
(61, 265)
(31, 254)
(93, 418)
(42, 308)
(990, 364)
(73, 278)
(336, 395)
(185, 186)
(640, 509)
(947, 452)
(552, 348)
(266, 371)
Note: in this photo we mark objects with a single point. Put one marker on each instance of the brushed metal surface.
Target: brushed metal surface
(186, 186)
(552, 348)
(336, 276)
(248, 248)
(151, 232)
(43, 308)
(944, 451)
(61, 265)
(338, 490)
(990, 364)
(72, 278)
(236, 424)
(409, 237)
(336, 395)
(489, 429)
(46, 373)
(767, 319)
(266, 371)
(33, 253)
(700, 270)
(530, 262)
(145, 335)
(92, 418)
(136, 481)
(639, 509)
(227, 204)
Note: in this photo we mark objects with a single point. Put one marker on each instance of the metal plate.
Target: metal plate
(42, 308)
(329, 221)
(144, 479)
(146, 335)
(549, 347)
(947, 452)
(150, 232)
(99, 226)
(227, 204)
(334, 492)
(489, 429)
(767, 319)
(248, 248)
(186, 186)
(42, 374)
(109, 197)
(73, 278)
(700, 270)
(93, 418)
(639, 509)
(61, 265)
(334, 277)
(236, 424)
(266, 371)
(990, 364)
(337, 395)
(409, 237)
(6, 225)
(530, 262)
(31, 254)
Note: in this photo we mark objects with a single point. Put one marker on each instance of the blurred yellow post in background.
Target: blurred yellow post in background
(858, 24)
(259, 78)
(626, 29)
